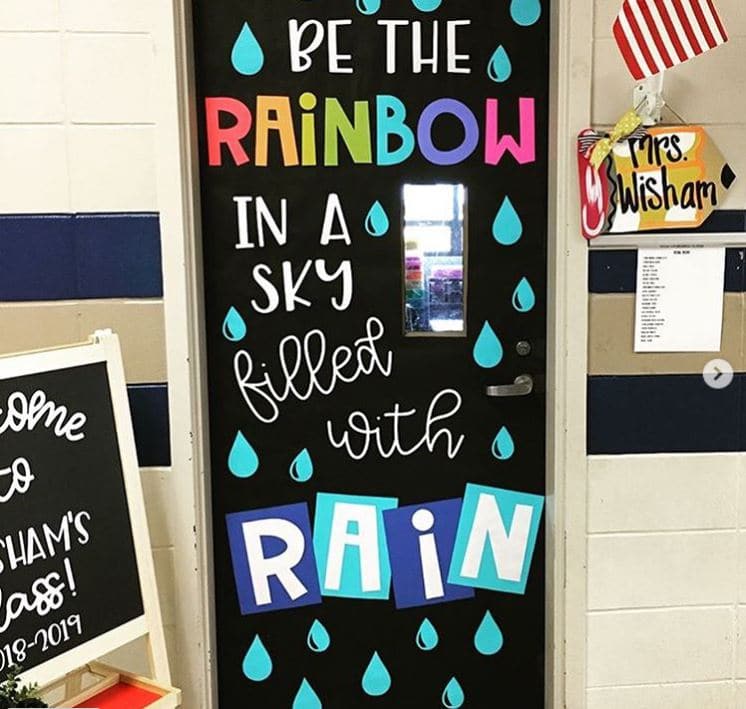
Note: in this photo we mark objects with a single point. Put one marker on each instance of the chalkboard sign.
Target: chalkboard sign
(374, 226)
(75, 565)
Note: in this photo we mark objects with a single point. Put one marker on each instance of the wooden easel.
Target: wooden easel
(67, 669)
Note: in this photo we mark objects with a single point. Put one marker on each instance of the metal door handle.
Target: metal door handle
(522, 386)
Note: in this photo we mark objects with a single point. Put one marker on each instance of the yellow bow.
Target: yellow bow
(626, 125)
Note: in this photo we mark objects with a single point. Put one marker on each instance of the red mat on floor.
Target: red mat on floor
(122, 696)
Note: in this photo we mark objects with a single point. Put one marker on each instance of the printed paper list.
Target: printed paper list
(679, 305)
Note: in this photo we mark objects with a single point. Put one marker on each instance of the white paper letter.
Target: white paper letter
(280, 566)
(508, 548)
(423, 521)
(365, 517)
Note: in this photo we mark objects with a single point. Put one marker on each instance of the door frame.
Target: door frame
(178, 199)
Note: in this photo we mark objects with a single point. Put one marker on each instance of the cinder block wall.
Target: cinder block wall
(666, 589)
(79, 230)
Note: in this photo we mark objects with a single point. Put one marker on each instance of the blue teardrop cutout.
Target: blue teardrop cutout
(243, 461)
(234, 327)
(376, 680)
(488, 350)
(488, 639)
(453, 695)
(318, 639)
(503, 446)
(301, 469)
(499, 67)
(257, 665)
(368, 7)
(426, 5)
(524, 298)
(507, 227)
(525, 12)
(247, 55)
(306, 698)
(377, 221)
(427, 636)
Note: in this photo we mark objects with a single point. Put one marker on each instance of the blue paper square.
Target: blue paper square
(439, 519)
(257, 536)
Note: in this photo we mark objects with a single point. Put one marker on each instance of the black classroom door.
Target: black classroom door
(374, 222)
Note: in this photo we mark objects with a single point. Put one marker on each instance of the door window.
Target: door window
(434, 236)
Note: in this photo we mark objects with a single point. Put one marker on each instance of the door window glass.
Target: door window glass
(434, 265)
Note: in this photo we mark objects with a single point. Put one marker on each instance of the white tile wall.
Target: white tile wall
(28, 15)
(112, 168)
(666, 574)
(707, 695)
(34, 169)
(109, 78)
(741, 643)
(163, 558)
(742, 498)
(626, 492)
(157, 485)
(31, 77)
(740, 695)
(658, 570)
(660, 646)
(107, 15)
(739, 572)
(76, 115)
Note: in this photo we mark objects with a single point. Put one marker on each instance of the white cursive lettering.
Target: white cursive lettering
(307, 368)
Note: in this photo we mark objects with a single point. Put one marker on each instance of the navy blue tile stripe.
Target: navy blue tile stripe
(664, 414)
(615, 271)
(80, 256)
(721, 221)
(150, 419)
(612, 271)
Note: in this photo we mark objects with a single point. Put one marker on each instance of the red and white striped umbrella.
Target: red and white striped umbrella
(654, 35)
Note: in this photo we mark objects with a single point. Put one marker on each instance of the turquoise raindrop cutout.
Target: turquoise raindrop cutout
(318, 639)
(488, 350)
(524, 298)
(499, 68)
(301, 469)
(427, 636)
(234, 327)
(243, 461)
(368, 7)
(306, 698)
(257, 665)
(525, 12)
(453, 695)
(376, 680)
(426, 5)
(247, 56)
(377, 221)
(507, 227)
(503, 446)
(489, 638)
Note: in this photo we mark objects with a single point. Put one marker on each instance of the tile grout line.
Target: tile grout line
(65, 103)
(665, 532)
(725, 605)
